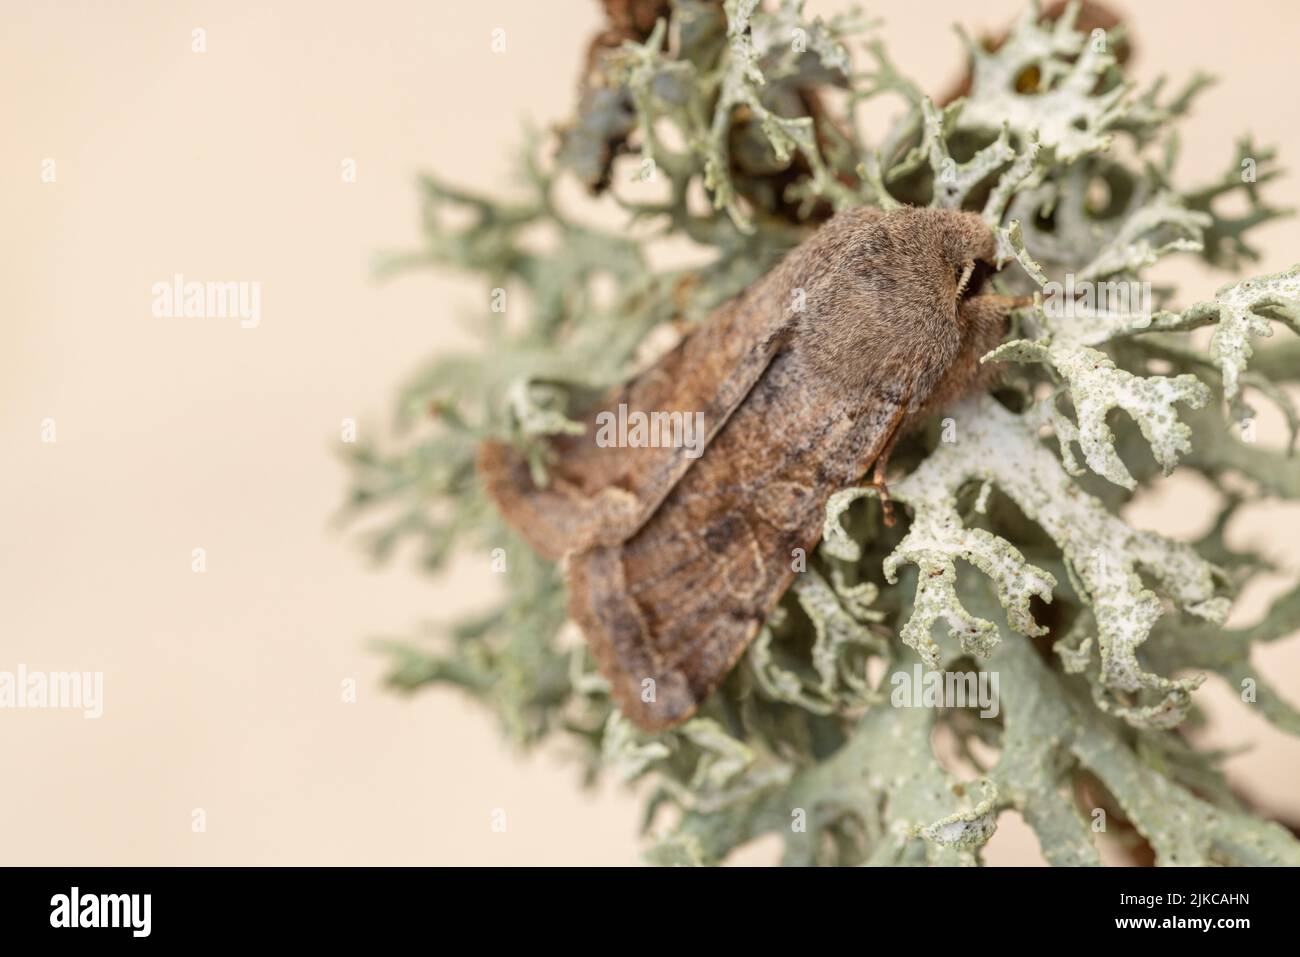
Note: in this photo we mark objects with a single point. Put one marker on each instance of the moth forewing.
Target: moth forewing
(669, 611)
(601, 494)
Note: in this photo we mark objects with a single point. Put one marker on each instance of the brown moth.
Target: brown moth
(805, 381)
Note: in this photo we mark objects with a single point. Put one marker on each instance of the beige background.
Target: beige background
(223, 689)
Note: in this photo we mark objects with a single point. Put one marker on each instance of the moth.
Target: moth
(806, 381)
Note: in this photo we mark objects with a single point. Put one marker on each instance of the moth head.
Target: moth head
(890, 292)
(970, 253)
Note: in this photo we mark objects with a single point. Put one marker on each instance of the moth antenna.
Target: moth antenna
(967, 270)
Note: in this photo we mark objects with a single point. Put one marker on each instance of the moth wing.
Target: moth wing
(602, 495)
(669, 612)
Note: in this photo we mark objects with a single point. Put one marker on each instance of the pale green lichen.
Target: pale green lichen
(1063, 112)
(934, 543)
(953, 181)
(1239, 311)
(1103, 553)
(969, 828)
(1012, 558)
(1096, 385)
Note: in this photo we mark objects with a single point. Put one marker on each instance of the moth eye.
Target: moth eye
(971, 276)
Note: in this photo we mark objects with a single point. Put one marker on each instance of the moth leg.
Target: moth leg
(895, 432)
(878, 481)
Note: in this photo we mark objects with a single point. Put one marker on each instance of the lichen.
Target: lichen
(1014, 555)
